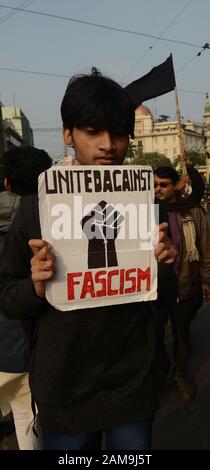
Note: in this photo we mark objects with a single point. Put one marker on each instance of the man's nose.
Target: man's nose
(107, 141)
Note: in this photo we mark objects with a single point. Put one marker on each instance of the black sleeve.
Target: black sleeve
(161, 214)
(17, 296)
(167, 282)
(197, 183)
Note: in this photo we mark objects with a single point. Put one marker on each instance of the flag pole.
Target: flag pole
(180, 134)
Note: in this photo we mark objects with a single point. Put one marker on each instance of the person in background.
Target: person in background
(191, 236)
(167, 285)
(22, 166)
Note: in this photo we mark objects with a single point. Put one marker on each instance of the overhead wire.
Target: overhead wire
(48, 74)
(19, 8)
(204, 47)
(26, 3)
(12, 13)
(187, 63)
(155, 42)
(102, 26)
(33, 72)
(192, 91)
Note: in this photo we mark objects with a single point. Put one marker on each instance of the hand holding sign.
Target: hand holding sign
(164, 249)
(42, 265)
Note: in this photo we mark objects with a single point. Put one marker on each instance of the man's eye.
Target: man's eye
(91, 131)
(120, 134)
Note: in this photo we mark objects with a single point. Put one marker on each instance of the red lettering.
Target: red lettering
(88, 285)
(101, 284)
(143, 276)
(111, 291)
(122, 281)
(71, 283)
(102, 281)
(132, 279)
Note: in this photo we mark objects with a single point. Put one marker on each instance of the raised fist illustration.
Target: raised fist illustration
(101, 227)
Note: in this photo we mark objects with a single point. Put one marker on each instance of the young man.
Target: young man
(92, 369)
(22, 166)
(190, 234)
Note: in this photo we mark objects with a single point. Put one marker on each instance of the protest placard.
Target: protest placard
(100, 222)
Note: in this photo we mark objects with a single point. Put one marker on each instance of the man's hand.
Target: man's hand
(183, 181)
(42, 265)
(164, 248)
(185, 157)
(206, 291)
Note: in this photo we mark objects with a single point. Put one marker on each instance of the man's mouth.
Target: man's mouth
(105, 160)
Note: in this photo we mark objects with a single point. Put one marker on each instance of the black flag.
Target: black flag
(158, 81)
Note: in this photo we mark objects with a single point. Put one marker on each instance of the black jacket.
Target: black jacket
(13, 344)
(90, 369)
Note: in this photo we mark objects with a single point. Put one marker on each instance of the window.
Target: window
(140, 127)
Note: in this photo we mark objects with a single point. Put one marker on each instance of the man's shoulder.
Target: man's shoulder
(8, 199)
(9, 205)
(27, 219)
(30, 201)
(198, 211)
(29, 211)
(31, 197)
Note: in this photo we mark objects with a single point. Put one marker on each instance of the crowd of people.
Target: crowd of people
(98, 371)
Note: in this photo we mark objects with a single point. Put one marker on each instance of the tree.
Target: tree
(154, 159)
(197, 158)
(131, 151)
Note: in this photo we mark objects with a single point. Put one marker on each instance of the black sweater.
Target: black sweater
(90, 369)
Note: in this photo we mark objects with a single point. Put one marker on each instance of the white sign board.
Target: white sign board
(100, 222)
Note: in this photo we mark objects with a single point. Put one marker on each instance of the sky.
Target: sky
(49, 45)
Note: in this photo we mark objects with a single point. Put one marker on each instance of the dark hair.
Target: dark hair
(99, 102)
(167, 172)
(22, 166)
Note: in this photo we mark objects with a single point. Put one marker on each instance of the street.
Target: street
(182, 426)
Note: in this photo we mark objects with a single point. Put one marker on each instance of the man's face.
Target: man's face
(97, 147)
(164, 189)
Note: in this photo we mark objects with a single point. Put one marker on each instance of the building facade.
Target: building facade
(14, 117)
(207, 136)
(162, 136)
(2, 135)
(15, 130)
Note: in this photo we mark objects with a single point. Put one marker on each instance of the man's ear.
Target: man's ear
(7, 185)
(67, 136)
